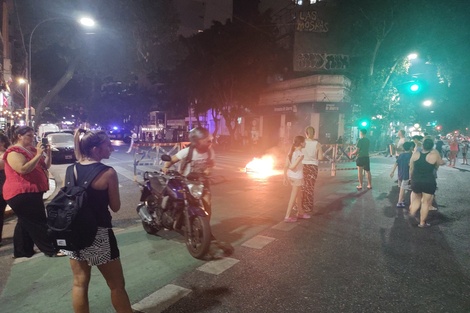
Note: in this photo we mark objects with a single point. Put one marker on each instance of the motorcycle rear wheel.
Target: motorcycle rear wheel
(199, 242)
(151, 230)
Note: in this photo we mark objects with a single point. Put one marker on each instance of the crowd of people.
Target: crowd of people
(417, 161)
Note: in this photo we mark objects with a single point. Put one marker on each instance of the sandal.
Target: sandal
(359, 187)
(425, 225)
(369, 187)
(290, 220)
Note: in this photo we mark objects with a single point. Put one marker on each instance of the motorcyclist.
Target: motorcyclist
(198, 157)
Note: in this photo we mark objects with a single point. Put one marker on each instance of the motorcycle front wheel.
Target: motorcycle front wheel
(151, 230)
(198, 237)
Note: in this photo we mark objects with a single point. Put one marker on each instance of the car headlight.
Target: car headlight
(196, 189)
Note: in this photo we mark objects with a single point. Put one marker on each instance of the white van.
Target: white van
(47, 128)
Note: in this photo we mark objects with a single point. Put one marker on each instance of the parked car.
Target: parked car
(62, 147)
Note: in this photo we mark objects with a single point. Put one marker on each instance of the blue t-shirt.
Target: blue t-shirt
(403, 162)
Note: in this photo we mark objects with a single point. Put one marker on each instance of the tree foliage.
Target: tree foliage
(383, 33)
(132, 41)
(226, 69)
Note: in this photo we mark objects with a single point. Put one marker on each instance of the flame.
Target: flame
(263, 167)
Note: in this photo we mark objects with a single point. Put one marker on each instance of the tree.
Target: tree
(134, 39)
(226, 69)
(381, 35)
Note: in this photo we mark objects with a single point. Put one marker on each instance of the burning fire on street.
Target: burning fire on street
(262, 167)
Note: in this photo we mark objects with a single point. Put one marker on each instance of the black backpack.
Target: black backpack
(71, 222)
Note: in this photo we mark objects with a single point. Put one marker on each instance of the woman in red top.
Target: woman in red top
(454, 150)
(26, 181)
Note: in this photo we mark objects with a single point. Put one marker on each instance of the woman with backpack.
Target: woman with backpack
(90, 149)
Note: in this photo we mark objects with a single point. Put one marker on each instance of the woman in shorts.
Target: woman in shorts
(90, 149)
(423, 181)
(293, 175)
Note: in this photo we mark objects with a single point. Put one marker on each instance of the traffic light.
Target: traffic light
(414, 87)
(363, 123)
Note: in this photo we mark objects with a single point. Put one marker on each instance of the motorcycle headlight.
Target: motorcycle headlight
(196, 189)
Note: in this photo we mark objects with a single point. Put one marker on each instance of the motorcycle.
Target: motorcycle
(174, 202)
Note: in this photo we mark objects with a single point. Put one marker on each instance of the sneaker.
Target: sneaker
(304, 216)
(400, 204)
(290, 220)
(425, 225)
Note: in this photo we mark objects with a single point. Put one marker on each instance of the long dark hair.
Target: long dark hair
(20, 131)
(298, 141)
(4, 138)
(86, 140)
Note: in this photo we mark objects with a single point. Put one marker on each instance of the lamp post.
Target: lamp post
(85, 21)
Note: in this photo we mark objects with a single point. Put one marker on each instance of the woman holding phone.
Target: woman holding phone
(27, 179)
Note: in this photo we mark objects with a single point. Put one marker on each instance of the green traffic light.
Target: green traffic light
(414, 87)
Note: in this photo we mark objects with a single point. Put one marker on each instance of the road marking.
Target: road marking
(284, 226)
(218, 266)
(161, 299)
(258, 242)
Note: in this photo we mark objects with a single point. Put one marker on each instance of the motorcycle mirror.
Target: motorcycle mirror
(166, 158)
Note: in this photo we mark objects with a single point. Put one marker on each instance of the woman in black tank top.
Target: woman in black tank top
(90, 149)
(423, 181)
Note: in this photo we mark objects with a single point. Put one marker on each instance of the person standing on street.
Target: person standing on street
(363, 161)
(313, 153)
(293, 175)
(454, 150)
(403, 165)
(423, 180)
(464, 152)
(27, 179)
(133, 139)
(4, 144)
(90, 149)
(439, 144)
(400, 142)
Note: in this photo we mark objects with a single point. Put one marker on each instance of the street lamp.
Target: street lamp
(427, 103)
(85, 21)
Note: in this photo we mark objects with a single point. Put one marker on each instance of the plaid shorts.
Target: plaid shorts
(104, 249)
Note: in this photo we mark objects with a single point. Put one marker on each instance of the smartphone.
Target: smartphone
(44, 141)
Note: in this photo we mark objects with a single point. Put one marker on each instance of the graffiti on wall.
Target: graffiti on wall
(309, 21)
(322, 61)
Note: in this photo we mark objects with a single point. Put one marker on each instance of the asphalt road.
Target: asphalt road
(359, 254)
